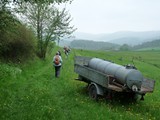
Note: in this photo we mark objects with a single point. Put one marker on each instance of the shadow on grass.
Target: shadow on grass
(123, 98)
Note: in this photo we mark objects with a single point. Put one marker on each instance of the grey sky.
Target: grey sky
(107, 16)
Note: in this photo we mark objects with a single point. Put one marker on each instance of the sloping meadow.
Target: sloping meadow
(31, 91)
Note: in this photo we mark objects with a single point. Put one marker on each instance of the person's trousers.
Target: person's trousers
(57, 71)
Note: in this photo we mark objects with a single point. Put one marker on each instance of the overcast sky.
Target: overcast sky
(107, 16)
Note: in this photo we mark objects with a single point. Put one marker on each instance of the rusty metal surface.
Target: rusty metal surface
(147, 86)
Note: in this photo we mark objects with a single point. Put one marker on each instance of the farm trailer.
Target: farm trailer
(105, 78)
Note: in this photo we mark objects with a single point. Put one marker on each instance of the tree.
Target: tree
(125, 47)
(4, 2)
(48, 22)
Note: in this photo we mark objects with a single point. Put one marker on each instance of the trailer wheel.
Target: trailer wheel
(93, 92)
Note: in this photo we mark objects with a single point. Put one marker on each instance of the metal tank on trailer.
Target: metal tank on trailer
(128, 76)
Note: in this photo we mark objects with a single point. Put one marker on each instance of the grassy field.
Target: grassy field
(151, 49)
(31, 92)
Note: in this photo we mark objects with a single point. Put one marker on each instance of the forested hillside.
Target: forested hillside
(93, 45)
(153, 44)
(121, 37)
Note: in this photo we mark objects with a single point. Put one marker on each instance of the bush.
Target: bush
(17, 42)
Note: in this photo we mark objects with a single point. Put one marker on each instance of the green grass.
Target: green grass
(31, 91)
(149, 49)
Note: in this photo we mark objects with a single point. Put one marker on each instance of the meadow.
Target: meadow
(30, 91)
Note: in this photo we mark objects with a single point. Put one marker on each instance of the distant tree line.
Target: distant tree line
(154, 43)
(150, 44)
(93, 45)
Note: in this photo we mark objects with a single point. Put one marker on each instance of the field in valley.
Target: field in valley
(31, 92)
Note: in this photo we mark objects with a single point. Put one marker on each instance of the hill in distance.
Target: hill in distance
(122, 37)
(93, 45)
(151, 45)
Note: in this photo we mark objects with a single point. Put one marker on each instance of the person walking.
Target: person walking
(57, 60)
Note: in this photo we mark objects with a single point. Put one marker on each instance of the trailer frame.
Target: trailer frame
(104, 83)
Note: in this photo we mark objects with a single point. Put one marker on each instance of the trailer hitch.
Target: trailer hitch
(142, 97)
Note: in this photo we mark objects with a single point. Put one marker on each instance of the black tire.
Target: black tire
(93, 92)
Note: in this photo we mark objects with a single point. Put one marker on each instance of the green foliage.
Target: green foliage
(50, 47)
(35, 93)
(93, 45)
(4, 2)
(125, 47)
(17, 42)
(149, 49)
(47, 20)
(49, 23)
(148, 45)
(6, 22)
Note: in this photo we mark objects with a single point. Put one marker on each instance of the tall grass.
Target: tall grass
(31, 91)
